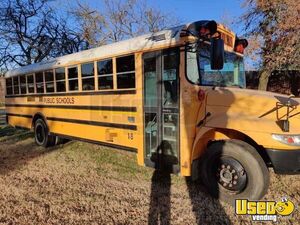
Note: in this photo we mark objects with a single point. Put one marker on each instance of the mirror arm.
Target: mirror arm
(200, 40)
(216, 35)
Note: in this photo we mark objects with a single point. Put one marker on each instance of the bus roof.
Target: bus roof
(162, 38)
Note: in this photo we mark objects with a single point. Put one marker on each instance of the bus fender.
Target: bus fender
(38, 116)
(198, 148)
(204, 136)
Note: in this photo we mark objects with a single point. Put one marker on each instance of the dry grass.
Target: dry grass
(80, 183)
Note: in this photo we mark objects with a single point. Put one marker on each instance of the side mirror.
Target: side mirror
(216, 54)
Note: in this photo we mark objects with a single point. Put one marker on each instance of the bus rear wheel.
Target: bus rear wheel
(41, 134)
(234, 170)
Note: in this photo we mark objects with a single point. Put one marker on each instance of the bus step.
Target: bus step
(169, 139)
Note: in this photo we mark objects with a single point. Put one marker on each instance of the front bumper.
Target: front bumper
(285, 161)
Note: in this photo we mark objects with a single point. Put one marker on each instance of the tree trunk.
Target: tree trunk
(263, 80)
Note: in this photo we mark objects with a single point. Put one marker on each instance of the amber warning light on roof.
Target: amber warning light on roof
(210, 27)
(240, 45)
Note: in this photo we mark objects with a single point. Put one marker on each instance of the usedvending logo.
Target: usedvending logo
(264, 210)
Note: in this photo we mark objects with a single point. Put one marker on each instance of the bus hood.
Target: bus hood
(251, 110)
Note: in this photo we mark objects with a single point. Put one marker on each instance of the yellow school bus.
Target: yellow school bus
(176, 98)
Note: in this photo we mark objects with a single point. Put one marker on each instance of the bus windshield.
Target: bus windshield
(200, 73)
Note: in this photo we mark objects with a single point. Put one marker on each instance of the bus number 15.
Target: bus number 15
(130, 136)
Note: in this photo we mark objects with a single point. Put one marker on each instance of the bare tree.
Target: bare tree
(274, 24)
(120, 20)
(30, 32)
(68, 41)
(226, 19)
(92, 24)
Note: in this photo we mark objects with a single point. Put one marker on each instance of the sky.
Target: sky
(227, 12)
(193, 10)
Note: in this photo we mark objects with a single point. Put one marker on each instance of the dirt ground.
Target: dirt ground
(80, 183)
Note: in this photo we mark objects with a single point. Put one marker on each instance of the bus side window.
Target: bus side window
(126, 72)
(16, 85)
(60, 79)
(23, 84)
(105, 74)
(49, 81)
(87, 76)
(73, 78)
(39, 82)
(30, 84)
(9, 87)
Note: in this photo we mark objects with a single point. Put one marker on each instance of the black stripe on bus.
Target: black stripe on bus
(94, 123)
(117, 92)
(19, 115)
(86, 122)
(83, 107)
(130, 149)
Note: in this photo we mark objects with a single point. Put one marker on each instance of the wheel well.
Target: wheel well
(234, 134)
(36, 117)
(260, 149)
(223, 135)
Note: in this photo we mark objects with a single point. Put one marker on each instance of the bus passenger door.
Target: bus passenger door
(161, 109)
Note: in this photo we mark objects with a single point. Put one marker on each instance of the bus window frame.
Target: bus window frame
(24, 85)
(126, 72)
(33, 80)
(36, 83)
(48, 82)
(13, 83)
(78, 77)
(63, 80)
(87, 77)
(106, 75)
(11, 86)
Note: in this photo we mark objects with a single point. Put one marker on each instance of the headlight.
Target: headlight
(287, 139)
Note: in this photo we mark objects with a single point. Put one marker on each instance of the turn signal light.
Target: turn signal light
(287, 139)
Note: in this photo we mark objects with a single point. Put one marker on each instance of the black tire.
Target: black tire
(41, 134)
(233, 170)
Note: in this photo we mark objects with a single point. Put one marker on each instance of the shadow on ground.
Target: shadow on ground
(206, 209)
(17, 149)
(160, 202)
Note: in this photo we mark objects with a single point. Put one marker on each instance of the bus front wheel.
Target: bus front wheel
(233, 170)
(41, 136)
